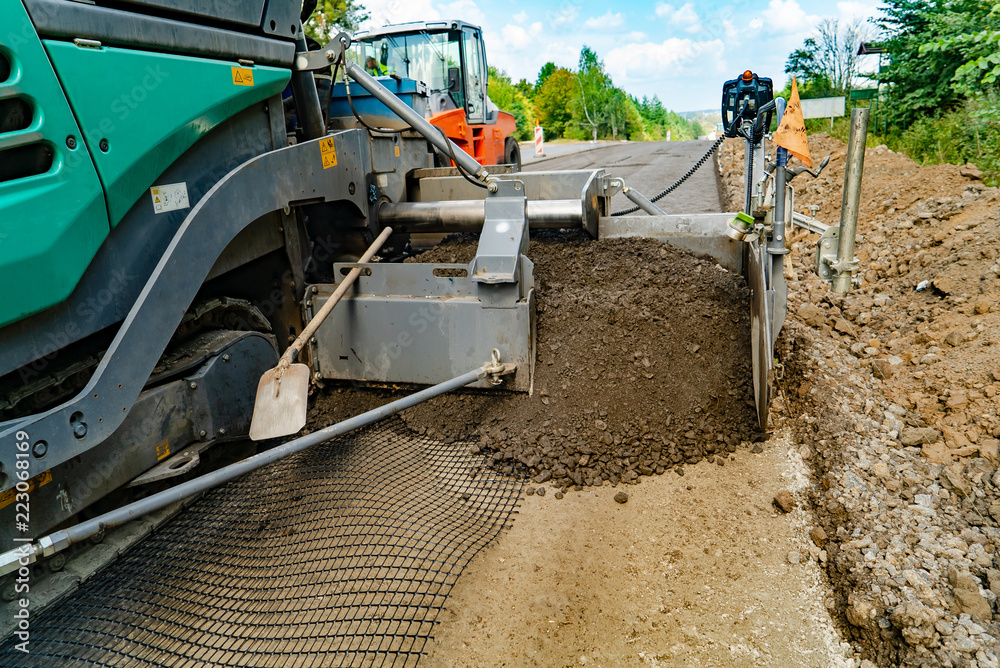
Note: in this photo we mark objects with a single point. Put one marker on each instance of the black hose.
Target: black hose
(678, 182)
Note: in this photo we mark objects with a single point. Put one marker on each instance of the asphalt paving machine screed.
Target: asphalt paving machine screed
(180, 194)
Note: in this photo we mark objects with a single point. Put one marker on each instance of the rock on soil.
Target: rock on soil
(894, 390)
(642, 366)
(784, 501)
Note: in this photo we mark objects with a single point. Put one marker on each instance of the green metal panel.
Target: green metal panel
(864, 93)
(150, 108)
(51, 224)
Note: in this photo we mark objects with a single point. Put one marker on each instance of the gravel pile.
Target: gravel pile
(894, 394)
(642, 366)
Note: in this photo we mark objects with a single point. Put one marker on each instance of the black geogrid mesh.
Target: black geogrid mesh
(341, 555)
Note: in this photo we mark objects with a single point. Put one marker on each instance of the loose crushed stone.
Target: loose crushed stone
(643, 364)
(893, 392)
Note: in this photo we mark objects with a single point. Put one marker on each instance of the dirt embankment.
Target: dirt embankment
(895, 392)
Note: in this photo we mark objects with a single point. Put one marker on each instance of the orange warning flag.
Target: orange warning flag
(791, 133)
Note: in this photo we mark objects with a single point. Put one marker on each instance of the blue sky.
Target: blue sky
(681, 51)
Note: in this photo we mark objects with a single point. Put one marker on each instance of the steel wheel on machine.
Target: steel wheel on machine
(512, 153)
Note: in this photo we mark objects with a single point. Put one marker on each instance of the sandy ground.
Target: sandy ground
(693, 570)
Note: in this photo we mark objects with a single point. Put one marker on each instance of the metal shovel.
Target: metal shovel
(283, 392)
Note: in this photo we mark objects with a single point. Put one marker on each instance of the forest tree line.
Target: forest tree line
(584, 103)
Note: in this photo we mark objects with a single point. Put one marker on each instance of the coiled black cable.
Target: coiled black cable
(697, 165)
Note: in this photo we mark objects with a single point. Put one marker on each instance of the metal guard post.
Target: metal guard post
(846, 263)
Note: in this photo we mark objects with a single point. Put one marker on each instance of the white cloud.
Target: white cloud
(565, 14)
(607, 22)
(520, 17)
(685, 17)
(636, 36)
(652, 59)
(384, 12)
(852, 10)
(785, 16)
(517, 37)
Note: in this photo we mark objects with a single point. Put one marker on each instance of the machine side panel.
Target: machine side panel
(248, 12)
(140, 111)
(115, 27)
(110, 284)
(52, 212)
(418, 323)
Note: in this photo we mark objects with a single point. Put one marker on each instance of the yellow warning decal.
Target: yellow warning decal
(242, 76)
(397, 151)
(162, 449)
(328, 151)
(10, 495)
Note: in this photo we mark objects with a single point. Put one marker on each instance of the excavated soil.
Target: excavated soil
(894, 392)
(642, 366)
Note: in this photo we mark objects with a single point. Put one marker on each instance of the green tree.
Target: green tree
(940, 80)
(333, 16)
(548, 69)
(552, 101)
(981, 52)
(657, 120)
(802, 63)
(635, 125)
(506, 95)
(655, 115)
(593, 96)
(827, 63)
(616, 111)
(921, 79)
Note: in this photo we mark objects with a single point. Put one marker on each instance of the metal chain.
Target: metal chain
(697, 165)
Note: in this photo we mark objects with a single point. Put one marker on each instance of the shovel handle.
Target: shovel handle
(332, 301)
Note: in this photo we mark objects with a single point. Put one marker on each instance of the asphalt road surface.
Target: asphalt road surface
(650, 167)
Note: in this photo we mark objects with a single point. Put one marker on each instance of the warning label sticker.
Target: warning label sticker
(162, 449)
(8, 497)
(242, 76)
(169, 197)
(328, 152)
